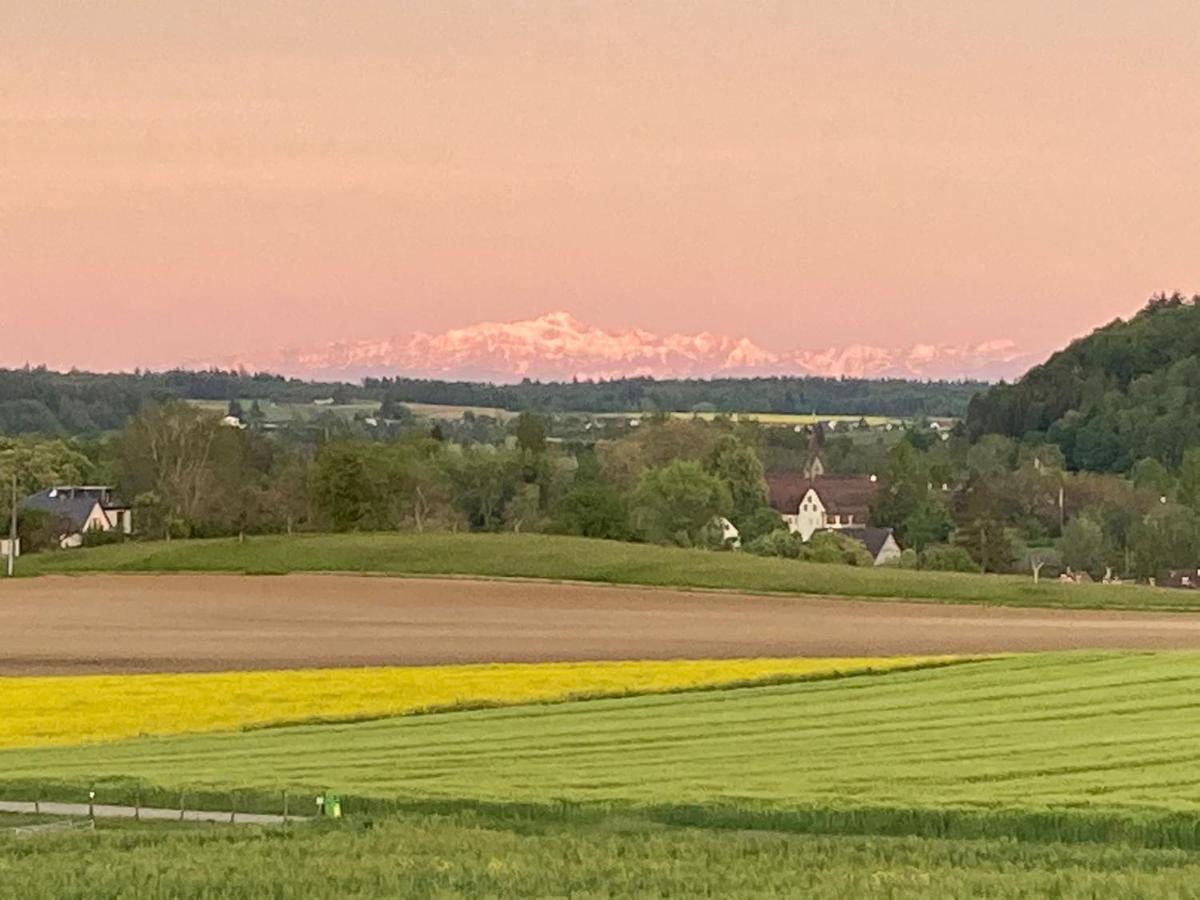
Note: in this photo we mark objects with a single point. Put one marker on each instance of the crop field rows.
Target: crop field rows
(65, 710)
(1089, 731)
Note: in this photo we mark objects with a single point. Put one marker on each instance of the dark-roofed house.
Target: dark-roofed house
(880, 543)
(839, 503)
(80, 509)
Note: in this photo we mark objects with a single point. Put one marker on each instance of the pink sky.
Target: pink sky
(185, 180)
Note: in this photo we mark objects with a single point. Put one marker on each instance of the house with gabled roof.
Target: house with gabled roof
(80, 509)
(840, 503)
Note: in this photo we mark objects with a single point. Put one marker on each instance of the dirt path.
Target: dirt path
(148, 623)
(108, 811)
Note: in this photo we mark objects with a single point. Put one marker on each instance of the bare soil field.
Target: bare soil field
(158, 623)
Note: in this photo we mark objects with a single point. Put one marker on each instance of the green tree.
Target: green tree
(740, 468)
(164, 456)
(531, 433)
(763, 521)
(930, 523)
(1168, 538)
(988, 542)
(40, 464)
(1151, 475)
(677, 503)
(1187, 491)
(1085, 547)
(483, 481)
(342, 487)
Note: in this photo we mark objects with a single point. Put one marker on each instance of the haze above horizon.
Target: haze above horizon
(443, 188)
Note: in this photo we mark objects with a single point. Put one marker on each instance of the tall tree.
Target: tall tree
(162, 460)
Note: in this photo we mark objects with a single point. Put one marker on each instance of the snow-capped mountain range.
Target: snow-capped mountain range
(557, 346)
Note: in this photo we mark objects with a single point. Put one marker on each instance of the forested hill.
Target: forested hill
(38, 401)
(1127, 392)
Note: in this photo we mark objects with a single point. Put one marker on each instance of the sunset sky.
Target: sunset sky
(183, 180)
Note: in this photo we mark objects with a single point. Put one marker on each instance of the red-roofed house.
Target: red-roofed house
(831, 503)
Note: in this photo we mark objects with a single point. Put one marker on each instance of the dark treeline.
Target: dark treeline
(1128, 392)
(850, 396)
(39, 401)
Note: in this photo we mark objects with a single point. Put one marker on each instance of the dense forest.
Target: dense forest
(1128, 392)
(38, 401)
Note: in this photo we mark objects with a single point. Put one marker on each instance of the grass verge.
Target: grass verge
(473, 853)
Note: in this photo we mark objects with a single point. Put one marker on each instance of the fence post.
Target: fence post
(232, 806)
(137, 804)
(37, 801)
(182, 793)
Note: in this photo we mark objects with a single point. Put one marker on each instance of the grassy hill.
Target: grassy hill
(581, 559)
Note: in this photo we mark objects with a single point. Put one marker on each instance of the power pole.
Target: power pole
(12, 526)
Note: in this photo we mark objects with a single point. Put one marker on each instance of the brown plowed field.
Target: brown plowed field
(154, 623)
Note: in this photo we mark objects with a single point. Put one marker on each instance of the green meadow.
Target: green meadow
(474, 855)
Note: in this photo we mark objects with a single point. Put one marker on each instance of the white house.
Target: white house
(80, 509)
(830, 501)
(839, 503)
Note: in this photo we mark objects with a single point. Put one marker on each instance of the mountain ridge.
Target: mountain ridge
(558, 346)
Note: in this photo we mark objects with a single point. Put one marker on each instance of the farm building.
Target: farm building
(827, 502)
(840, 503)
(80, 509)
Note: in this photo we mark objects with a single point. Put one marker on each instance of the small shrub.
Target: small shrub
(831, 547)
(946, 558)
(781, 543)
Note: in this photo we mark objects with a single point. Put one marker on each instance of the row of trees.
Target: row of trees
(188, 475)
(996, 504)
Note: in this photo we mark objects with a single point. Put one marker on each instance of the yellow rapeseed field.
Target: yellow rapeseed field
(42, 711)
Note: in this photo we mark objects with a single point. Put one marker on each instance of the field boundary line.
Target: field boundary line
(159, 813)
(1174, 610)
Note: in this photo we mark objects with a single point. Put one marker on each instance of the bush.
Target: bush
(761, 523)
(945, 558)
(97, 538)
(831, 547)
(39, 530)
(781, 543)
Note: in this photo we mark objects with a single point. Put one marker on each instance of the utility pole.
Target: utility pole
(12, 526)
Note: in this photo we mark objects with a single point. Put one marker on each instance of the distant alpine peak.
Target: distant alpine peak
(557, 346)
